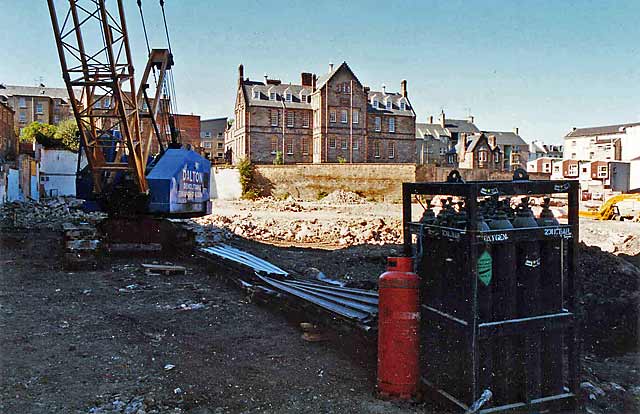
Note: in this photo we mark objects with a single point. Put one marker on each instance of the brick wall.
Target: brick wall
(377, 181)
(8, 139)
(189, 126)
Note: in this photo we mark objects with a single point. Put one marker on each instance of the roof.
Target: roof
(16, 90)
(601, 130)
(323, 79)
(395, 103)
(506, 138)
(264, 90)
(451, 126)
(213, 125)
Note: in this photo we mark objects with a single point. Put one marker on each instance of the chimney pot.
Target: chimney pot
(516, 130)
(266, 78)
(330, 67)
(431, 119)
(384, 88)
(403, 87)
(315, 80)
(442, 119)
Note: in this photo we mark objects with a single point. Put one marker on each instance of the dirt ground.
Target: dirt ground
(116, 340)
(101, 342)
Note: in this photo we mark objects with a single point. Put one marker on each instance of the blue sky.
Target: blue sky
(543, 66)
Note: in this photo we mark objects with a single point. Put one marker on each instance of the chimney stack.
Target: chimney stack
(315, 80)
(492, 141)
(463, 146)
(403, 87)
(431, 119)
(470, 119)
(241, 72)
(330, 67)
(516, 130)
(266, 78)
(306, 79)
(442, 119)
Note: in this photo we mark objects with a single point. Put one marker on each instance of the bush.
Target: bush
(321, 194)
(245, 168)
(279, 159)
(341, 160)
(64, 136)
(67, 135)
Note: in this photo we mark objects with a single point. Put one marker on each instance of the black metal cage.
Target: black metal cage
(498, 307)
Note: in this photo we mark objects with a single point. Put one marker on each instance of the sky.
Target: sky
(541, 66)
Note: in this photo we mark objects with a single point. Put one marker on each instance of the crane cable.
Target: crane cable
(146, 39)
(172, 97)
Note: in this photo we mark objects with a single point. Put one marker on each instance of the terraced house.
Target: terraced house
(327, 119)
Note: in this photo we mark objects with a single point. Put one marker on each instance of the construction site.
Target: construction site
(144, 292)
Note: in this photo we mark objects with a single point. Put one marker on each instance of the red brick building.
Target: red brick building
(8, 138)
(331, 118)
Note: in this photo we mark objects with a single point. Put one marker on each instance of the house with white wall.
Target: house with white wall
(58, 171)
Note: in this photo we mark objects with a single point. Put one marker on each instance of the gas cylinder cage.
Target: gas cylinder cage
(499, 308)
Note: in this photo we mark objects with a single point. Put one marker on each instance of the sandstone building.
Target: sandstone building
(330, 118)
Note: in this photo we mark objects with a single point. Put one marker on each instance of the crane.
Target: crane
(121, 176)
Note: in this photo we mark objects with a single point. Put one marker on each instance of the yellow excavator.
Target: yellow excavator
(609, 210)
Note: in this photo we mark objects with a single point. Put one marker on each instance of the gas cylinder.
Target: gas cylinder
(428, 217)
(398, 330)
(551, 302)
(529, 272)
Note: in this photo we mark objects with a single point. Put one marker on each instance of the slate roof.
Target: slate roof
(395, 104)
(601, 130)
(16, 90)
(506, 138)
(451, 126)
(214, 125)
(264, 90)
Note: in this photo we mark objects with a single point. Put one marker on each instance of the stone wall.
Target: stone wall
(374, 181)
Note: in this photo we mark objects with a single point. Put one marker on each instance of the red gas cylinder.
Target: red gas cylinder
(398, 328)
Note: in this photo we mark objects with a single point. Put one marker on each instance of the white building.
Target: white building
(613, 142)
(58, 171)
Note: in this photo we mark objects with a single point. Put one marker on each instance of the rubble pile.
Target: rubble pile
(50, 214)
(339, 232)
(343, 197)
(273, 204)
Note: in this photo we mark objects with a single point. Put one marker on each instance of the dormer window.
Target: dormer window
(288, 96)
(389, 104)
(256, 94)
(303, 98)
(272, 96)
(375, 103)
(403, 106)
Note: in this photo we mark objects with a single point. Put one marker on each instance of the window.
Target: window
(345, 144)
(22, 103)
(274, 117)
(573, 169)
(355, 116)
(389, 104)
(482, 156)
(305, 119)
(272, 96)
(96, 105)
(220, 145)
(256, 94)
(376, 149)
(106, 103)
(375, 103)
(145, 107)
(496, 158)
(584, 169)
(573, 155)
(56, 119)
(207, 134)
(573, 143)
(332, 142)
(288, 96)
(403, 106)
(602, 171)
(392, 125)
(332, 116)
(206, 144)
(290, 119)
(392, 150)
(356, 144)
(442, 151)
(305, 146)
(274, 145)
(592, 155)
(39, 109)
(378, 124)
(344, 116)
(23, 116)
(303, 98)
(290, 146)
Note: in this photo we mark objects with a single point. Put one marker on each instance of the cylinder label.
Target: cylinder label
(485, 268)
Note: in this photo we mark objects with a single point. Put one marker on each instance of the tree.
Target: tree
(67, 135)
(43, 134)
(64, 136)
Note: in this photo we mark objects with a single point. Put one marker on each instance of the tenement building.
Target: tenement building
(329, 118)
